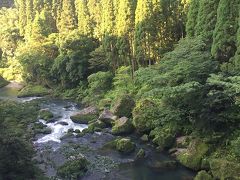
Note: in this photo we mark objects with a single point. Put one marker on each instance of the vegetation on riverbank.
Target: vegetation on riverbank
(171, 67)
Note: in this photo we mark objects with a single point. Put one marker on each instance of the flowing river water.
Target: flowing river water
(52, 150)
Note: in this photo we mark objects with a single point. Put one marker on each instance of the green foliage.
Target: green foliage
(203, 175)
(192, 18)
(98, 85)
(206, 19)
(16, 151)
(73, 169)
(224, 36)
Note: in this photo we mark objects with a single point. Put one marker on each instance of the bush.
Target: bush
(98, 85)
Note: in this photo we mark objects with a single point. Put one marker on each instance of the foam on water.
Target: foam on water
(59, 130)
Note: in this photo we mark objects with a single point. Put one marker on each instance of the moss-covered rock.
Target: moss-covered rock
(123, 106)
(3, 82)
(203, 175)
(144, 138)
(144, 114)
(122, 126)
(84, 118)
(73, 169)
(163, 137)
(107, 117)
(39, 128)
(223, 169)
(125, 146)
(141, 154)
(192, 157)
(33, 90)
(45, 114)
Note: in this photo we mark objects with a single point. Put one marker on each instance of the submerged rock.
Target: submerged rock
(125, 146)
(123, 106)
(203, 175)
(122, 126)
(107, 117)
(193, 155)
(62, 123)
(161, 165)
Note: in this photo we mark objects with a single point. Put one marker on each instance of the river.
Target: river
(52, 150)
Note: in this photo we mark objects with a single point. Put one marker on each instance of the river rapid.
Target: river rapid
(53, 149)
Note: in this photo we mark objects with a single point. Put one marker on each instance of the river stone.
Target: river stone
(107, 117)
(144, 138)
(125, 146)
(122, 126)
(123, 106)
(85, 115)
(193, 155)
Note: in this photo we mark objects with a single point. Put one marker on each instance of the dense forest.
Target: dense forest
(177, 60)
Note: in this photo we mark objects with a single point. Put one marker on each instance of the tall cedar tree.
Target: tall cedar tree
(224, 35)
(192, 18)
(207, 18)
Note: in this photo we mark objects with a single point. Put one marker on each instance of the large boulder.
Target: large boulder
(144, 114)
(85, 116)
(107, 117)
(125, 146)
(193, 155)
(122, 126)
(203, 175)
(223, 169)
(123, 106)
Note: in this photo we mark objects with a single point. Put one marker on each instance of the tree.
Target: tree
(206, 19)
(68, 18)
(125, 27)
(142, 32)
(192, 18)
(85, 25)
(224, 35)
(22, 16)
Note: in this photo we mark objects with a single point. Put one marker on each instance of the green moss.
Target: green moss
(3, 82)
(122, 126)
(141, 154)
(45, 114)
(123, 106)
(192, 157)
(83, 118)
(223, 169)
(144, 115)
(73, 169)
(203, 175)
(33, 90)
(125, 146)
